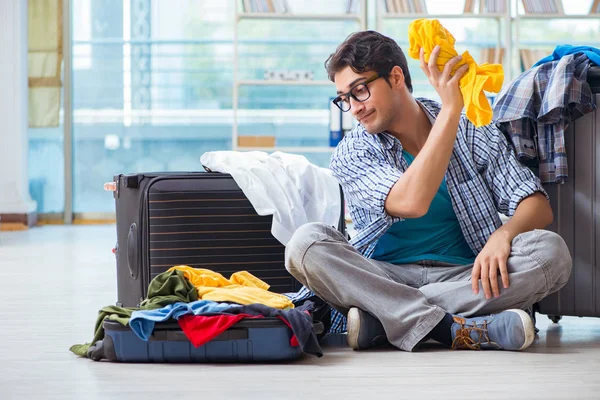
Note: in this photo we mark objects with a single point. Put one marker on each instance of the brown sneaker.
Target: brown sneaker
(508, 330)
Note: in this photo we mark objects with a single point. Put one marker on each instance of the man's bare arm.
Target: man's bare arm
(411, 195)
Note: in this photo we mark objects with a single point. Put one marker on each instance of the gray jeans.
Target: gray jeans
(411, 299)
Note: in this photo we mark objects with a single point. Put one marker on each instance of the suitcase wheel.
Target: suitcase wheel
(555, 318)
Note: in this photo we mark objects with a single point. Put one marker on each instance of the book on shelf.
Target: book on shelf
(492, 6)
(283, 6)
(405, 6)
(335, 124)
(352, 6)
(492, 55)
(469, 7)
(485, 6)
(340, 124)
(347, 123)
(543, 7)
(265, 6)
(530, 57)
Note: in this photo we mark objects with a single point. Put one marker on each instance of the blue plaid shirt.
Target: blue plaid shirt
(483, 178)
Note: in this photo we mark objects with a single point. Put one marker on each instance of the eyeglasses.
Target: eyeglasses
(359, 92)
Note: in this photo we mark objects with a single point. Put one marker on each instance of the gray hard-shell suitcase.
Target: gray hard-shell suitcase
(200, 219)
(576, 207)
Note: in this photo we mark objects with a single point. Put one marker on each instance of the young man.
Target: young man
(431, 258)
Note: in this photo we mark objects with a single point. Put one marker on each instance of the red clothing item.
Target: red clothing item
(201, 329)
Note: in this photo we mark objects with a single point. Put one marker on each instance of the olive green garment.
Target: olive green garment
(166, 288)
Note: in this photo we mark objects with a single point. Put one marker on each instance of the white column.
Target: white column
(15, 201)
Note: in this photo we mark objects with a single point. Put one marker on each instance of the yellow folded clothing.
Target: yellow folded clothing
(242, 288)
(489, 77)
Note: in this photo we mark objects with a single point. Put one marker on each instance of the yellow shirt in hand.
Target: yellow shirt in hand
(489, 77)
(242, 288)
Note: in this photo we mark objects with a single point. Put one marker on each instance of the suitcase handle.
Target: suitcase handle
(132, 251)
(179, 336)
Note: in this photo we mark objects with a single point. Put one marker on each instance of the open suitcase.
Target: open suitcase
(253, 340)
(203, 220)
(575, 204)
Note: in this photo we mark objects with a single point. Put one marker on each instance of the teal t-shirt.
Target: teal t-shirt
(435, 236)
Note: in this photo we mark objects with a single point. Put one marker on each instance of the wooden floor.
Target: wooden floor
(53, 280)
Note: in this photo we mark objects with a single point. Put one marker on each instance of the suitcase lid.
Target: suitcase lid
(132, 181)
(266, 322)
(247, 323)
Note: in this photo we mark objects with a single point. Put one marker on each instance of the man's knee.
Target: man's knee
(301, 242)
(553, 252)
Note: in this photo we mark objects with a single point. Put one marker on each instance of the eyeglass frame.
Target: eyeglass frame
(349, 94)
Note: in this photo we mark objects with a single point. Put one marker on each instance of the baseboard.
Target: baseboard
(16, 222)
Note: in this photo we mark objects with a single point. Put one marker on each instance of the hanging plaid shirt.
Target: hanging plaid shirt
(483, 178)
(537, 107)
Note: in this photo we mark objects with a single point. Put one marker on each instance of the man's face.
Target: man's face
(374, 113)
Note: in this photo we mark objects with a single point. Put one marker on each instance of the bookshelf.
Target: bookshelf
(510, 49)
(503, 42)
(554, 9)
(545, 10)
(303, 16)
(247, 11)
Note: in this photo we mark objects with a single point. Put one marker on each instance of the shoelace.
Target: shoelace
(463, 339)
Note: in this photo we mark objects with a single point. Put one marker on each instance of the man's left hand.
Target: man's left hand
(490, 260)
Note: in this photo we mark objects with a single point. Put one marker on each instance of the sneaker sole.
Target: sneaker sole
(527, 326)
(353, 328)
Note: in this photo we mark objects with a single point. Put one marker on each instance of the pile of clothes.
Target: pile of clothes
(205, 304)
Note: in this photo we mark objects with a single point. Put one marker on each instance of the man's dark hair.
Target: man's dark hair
(368, 51)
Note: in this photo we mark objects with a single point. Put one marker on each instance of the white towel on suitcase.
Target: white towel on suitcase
(284, 185)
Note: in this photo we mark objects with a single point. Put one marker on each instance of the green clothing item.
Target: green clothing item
(166, 288)
(113, 313)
